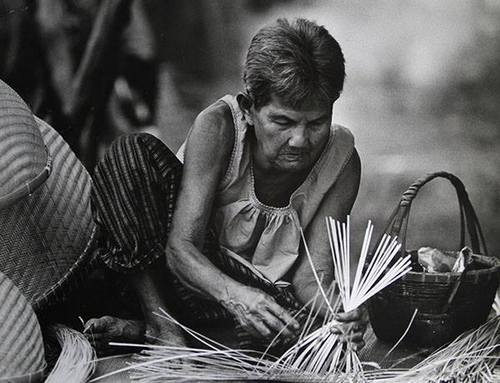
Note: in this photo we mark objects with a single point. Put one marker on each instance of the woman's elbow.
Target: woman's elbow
(173, 251)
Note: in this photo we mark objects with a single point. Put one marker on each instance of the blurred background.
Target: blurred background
(421, 95)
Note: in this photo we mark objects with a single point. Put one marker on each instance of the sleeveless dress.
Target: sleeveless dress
(264, 238)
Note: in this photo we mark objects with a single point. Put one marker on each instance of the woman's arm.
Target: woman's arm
(208, 151)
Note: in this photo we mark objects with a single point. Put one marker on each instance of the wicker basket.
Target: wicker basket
(447, 303)
(22, 357)
(46, 226)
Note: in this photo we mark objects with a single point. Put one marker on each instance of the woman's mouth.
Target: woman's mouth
(293, 156)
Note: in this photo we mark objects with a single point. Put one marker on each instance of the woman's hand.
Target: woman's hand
(260, 315)
(353, 326)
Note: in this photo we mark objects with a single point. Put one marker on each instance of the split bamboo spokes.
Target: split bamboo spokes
(380, 272)
(324, 351)
(471, 357)
(77, 360)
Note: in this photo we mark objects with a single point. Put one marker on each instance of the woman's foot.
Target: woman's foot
(163, 332)
(101, 331)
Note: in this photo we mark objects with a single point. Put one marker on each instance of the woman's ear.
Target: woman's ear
(246, 106)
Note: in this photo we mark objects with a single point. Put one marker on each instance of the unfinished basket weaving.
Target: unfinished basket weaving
(45, 220)
(21, 343)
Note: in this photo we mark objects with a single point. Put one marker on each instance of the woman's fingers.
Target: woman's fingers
(259, 313)
(267, 325)
(99, 324)
(359, 315)
(280, 320)
(283, 315)
(100, 331)
(352, 325)
(336, 329)
(351, 328)
(249, 323)
(261, 328)
(359, 345)
(250, 328)
(355, 327)
(276, 325)
(349, 316)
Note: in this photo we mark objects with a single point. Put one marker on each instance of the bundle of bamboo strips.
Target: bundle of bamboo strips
(76, 361)
(496, 303)
(323, 351)
(380, 272)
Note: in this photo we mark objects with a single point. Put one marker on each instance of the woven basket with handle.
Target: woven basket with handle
(447, 304)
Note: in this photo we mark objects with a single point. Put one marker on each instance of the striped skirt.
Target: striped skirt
(133, 200)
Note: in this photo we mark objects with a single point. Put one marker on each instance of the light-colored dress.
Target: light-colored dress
(267, 238)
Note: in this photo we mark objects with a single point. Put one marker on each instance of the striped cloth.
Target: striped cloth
(133, 201)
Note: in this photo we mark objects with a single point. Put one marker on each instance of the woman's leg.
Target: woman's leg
(150, 287)
(133, 199)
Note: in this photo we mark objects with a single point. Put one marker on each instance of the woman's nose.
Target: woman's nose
(298, 138)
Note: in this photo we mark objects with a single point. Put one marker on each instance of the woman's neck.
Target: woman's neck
(274, 188)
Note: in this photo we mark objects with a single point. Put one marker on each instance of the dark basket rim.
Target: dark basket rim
(472, 275)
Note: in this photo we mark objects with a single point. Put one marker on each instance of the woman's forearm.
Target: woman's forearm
(196, 271)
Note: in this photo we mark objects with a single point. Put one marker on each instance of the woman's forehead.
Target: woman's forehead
(310, 108)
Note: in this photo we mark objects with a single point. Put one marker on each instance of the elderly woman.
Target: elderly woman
(257, 167)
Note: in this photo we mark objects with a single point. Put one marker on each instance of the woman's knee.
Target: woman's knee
(139, 155)
(132, 148)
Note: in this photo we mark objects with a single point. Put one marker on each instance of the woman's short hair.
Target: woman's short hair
(297, 61)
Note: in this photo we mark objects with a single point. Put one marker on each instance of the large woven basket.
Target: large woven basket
(46, 228)
(21, 344)
(447, 304)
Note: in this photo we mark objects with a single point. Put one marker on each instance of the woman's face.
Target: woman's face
(289, 139)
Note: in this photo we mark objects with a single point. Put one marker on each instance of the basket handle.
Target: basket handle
(398, 221)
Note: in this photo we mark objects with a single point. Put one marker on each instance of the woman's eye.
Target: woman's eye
(282, 122)
(316, 124)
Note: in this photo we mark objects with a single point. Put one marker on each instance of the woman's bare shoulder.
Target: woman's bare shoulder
(211, 138)
(217, 118)
(215, 124)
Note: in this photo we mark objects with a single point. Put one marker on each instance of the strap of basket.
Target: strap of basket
(398, 222)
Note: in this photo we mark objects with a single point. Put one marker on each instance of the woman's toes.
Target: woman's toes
(101, 331)
(98, 325)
